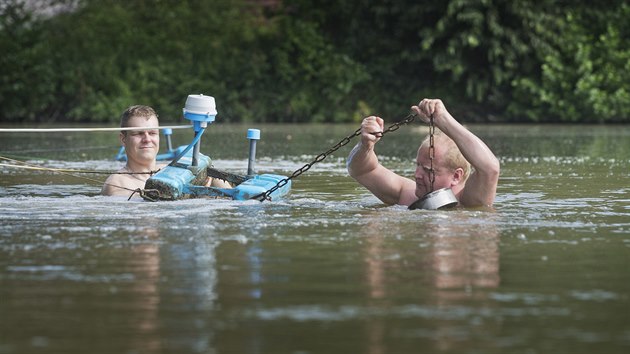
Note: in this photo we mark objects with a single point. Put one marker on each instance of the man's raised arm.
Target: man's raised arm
(481, 187)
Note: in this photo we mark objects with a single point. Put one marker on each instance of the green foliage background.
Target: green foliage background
(317, 61)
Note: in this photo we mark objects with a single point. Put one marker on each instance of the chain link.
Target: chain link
(319, 158)
(431, 152)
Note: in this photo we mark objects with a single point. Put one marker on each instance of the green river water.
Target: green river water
(329, 269)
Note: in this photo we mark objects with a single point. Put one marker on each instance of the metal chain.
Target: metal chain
(319, 158)
(152, 195)
(431, 151)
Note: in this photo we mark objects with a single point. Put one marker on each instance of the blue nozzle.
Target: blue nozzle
(253, 134)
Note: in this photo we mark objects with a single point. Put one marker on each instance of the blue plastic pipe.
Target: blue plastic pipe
(193, 143)
(253, 135)
(169, 143)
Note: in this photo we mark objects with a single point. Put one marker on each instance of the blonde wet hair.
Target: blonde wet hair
(453, 158)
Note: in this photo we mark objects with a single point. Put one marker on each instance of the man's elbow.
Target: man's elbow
(492, 173)
(494, 168)
(489, 171)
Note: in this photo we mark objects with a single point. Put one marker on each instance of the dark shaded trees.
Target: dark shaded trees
(323, 61)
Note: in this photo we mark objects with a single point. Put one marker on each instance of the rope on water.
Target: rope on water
(70, 149)
(49, 130)
(70, 172)
(26, 166)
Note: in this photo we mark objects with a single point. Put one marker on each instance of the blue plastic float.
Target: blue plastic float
(185, 176)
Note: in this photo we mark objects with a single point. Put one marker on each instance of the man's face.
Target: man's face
(142, 145)
(443, 177)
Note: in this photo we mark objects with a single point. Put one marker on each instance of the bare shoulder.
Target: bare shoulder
(117, 184)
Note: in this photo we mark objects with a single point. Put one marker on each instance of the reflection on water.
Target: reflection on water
(455, 257)
(329, 269)
(145, 273)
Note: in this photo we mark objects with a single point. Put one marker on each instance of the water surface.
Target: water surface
(329, 269)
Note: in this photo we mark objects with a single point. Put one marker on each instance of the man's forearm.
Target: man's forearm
(361, 160)
(474, 149)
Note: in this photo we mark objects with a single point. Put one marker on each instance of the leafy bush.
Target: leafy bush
(323, 61)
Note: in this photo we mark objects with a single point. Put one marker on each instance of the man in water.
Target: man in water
(455, 150)
(142, 147)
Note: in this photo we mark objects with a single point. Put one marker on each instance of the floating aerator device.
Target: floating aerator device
(200, 110)
(187, 174)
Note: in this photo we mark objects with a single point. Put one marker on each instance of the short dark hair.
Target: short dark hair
(136, 111)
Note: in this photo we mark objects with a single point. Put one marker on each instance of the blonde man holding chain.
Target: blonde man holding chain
(141, 147)
(456, 149)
